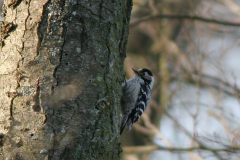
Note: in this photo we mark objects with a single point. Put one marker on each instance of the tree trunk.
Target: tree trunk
(61, 67)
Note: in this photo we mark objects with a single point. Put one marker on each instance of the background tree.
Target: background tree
(61, 69)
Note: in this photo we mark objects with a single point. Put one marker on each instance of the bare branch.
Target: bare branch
(182, 17)
(148, 149)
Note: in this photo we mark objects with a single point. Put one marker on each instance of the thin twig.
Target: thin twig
(150, 126)
(190, 135)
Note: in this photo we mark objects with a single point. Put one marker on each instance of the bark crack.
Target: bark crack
(25, 24)
(13, 95)
(108, 58)
(100, 13)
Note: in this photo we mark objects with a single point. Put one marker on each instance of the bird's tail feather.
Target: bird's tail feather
(124, 122)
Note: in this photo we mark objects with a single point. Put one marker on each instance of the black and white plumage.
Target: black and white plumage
(136, 96)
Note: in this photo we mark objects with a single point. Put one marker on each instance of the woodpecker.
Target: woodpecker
(136, 96)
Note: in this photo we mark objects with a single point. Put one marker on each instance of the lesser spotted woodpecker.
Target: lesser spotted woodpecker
(136, 96)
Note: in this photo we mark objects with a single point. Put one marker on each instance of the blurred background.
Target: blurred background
(193, 50)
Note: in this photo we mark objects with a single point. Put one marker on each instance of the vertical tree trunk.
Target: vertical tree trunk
(61, 67)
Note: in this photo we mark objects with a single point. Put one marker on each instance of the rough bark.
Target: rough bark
(61, 67)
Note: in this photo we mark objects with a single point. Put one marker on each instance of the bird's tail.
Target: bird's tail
(124, 122)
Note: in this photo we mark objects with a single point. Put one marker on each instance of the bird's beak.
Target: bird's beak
(135, 71)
